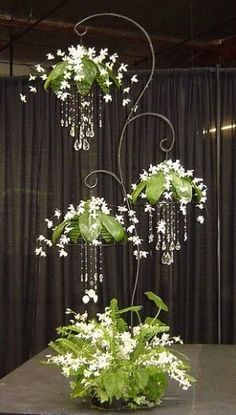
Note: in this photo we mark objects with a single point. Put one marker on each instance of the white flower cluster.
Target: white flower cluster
(101, 347)
(95, 204)
(168, 167)
(74, 71)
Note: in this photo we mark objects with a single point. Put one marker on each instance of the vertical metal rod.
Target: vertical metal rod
(11, 57)
(218, 177)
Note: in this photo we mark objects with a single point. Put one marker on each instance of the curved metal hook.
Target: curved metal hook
(164, 140)
(92, 186)
(81, 33)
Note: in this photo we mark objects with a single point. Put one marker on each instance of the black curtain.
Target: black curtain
(40, 171)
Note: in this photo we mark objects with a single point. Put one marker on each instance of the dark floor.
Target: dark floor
(36, 389)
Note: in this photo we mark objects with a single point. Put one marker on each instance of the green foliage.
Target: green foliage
(157, 300)
(155, 187)
(106, 361)
(114, 228)
(169, 177)
(55, 77)
(90, 72)
(90, 227)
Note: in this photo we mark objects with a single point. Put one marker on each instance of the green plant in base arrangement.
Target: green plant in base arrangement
(72, 80)
(106, 362)
(90, 225)
(167, 189)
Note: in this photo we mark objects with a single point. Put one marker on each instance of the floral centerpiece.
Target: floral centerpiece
(110, 364)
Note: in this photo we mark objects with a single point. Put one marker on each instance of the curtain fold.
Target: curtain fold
(41, 171)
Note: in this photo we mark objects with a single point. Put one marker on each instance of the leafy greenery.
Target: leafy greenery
(90, 224)
(169, 181)
(106, 361)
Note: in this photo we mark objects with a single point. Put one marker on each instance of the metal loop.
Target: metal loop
(81, 34)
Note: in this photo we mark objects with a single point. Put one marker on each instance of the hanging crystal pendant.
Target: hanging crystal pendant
(91, 271)
(77, 114)
(171, 229)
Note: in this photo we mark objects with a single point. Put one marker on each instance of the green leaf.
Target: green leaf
(182, 187)
(136, 192)
(58, 231)
(89, 72)
(141, 377)
(155, 187)
(78, 389)
(113, 78)
(198, 192)
(113, 226)
(157, 300)
(106, 235)
(90, 227)
(134, 308)
(56, 75)
(74, 234)
(114, 383)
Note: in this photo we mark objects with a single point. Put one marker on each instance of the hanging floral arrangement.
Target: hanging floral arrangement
(167, 189)
(72, 80)
(113, 368)
(90, 225)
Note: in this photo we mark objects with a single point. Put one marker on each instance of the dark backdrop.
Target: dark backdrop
(41, 171)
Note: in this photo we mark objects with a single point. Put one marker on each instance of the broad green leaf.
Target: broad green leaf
(155, 187)
(134, 308)
(89, 72)
(90, 227)
(58, 231)
(136, 192)
(56, 74)
(102, 79)
(157, 300)
(113, 226)
(182, 187)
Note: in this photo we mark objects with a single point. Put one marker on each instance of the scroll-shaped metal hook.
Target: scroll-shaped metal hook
(95, 183)
(164, 142)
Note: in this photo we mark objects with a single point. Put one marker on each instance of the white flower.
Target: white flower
(107, 97)
(39, 68)
(122, 68)
(200, 219)
(49, 223)
(141, 254)
(125, 102)
(43, 77)
(39, 251)
(96, 242)
(113, 57)
(131, 228)
(85, 299)
(32, 89)
(134, 79)
(32, 77)
(50, 56)
(62, 253)
(57, 213)
(60, 52)
(108, 83)
(41, 238)
(126, 90)
(23, 98)
(161, 226)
